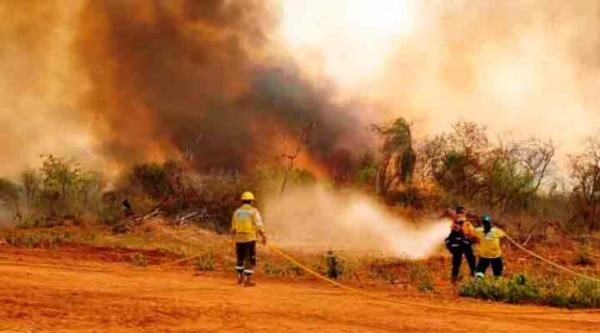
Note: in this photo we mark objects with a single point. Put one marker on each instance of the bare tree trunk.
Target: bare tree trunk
(289, 169)
(381, 178)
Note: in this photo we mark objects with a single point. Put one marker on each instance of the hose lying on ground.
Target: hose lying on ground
(462, 310)
(550, 262)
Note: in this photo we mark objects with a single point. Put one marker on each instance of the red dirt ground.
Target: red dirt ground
(87, 290)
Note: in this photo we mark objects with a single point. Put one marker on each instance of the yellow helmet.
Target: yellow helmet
(247, 196)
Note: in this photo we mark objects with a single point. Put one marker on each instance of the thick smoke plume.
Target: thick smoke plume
(197, 77)
(317, 219)
(38, 87)
(129, 81)
(529, 68)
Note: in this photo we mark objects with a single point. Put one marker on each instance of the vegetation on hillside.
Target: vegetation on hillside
(515, 180)
(521, 288)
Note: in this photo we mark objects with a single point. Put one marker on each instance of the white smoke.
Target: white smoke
(317, 219)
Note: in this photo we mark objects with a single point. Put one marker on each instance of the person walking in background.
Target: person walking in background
(127, 208)
(488, 247)
(459, 242)
(246, 228)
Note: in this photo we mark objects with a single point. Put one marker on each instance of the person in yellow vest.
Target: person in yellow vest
(488, 247)
(246, 228)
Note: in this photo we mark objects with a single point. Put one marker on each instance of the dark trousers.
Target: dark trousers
(457, 255)
(245, 257)
(496, 264)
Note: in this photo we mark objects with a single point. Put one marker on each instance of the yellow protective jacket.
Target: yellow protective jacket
(488, 245)
(246, 223)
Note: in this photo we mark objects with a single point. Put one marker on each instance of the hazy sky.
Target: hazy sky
(520, 67)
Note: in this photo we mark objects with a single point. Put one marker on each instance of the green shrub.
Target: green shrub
(26, 222)
(213, 195)
(367, 171)
(139, 259)
(10, 193)
(122, 227)
(522, 289)
(383, 269)
(334, 265)
(39, 221)
(560, 298)
(281, 269)
(110, 212)
(583, 257)
(517, 289)
(38, 239)
(392, 270)
(152, 179)
(585, 293)
(60, 189)
(205, 262)
(420, 276)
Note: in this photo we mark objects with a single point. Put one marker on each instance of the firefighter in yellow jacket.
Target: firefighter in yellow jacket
(246, 228)
(488, 247)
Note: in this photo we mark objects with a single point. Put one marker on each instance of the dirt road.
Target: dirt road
(40, 293)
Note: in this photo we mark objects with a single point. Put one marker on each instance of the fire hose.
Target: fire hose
(374, 296)
(370, 295)
(550, 262)
(292, 260)
(395, 300)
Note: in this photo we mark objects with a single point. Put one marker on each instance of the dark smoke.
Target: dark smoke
(173, 77)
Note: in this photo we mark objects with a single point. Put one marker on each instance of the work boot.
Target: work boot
(454, 280)
(248, 283)
(240, 278)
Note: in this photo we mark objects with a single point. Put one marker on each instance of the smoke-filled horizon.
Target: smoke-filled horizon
(520, 67)
(137, 81)
(230, 84)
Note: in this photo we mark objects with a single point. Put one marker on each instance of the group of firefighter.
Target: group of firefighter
(464, 237)
(464, 240)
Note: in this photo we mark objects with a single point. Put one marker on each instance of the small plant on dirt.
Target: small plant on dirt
(38, 239)
(26, 222)
(583, 256)
(109, 215)
(205, 262)
(420, 275)
(383, 269)
(334, 266)
(139, 259)
(281, 269)
(122, 227)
